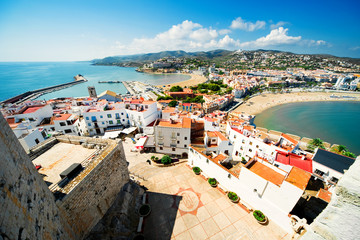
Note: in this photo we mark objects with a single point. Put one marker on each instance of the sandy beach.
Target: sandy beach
(262, 102)
(194, 80)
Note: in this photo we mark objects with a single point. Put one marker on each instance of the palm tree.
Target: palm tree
(316, 143)
(341, 148)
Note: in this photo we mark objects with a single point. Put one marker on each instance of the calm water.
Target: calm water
(16, 78)
(333, 122)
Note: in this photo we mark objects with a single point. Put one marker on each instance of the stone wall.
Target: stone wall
(28, 209)
(340, 219)
(98, 186)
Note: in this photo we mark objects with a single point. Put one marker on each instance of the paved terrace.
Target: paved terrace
(58, 158)
(185, 206)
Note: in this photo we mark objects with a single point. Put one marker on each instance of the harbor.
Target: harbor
(141, 89)
(29, 95)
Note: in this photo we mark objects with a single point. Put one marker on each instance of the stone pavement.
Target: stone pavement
(135, 158)
(185, 206)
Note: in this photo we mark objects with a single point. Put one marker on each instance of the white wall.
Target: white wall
(276, 202)
(167, 133)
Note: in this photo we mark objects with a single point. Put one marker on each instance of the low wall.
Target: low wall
(96, 186)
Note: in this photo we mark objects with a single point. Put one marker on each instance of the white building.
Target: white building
(249, 143)
(173, 137)
(329, 166)
(217, 143)
(141, 113)
(105, 117)
(259, 184)
(34, 137)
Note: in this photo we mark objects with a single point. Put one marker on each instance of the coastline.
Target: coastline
(262, 102)
(194, 80)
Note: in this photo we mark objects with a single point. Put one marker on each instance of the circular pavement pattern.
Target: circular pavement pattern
(190, 201)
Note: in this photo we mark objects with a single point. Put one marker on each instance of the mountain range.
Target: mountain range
(139, 59)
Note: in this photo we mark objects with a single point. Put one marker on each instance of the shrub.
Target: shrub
(173, 103)
(212, 181)
(176, 89)
(258, 215)
(152, 158)
(166, 159)
(196, 169)
(232, 196)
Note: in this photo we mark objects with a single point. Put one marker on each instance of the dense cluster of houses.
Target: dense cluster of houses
(268, 172)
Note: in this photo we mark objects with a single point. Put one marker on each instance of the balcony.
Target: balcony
(160, 143)
(160, 137)
(173, 138)
(173, 145)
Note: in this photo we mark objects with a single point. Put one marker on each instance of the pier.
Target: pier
(128, 88)
(38, 92)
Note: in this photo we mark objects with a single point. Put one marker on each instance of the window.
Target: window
(62, 124)
(234, 136)
(276, 165)
(250, 143)
(101, 116)
(111, 122)
(102, 123)
(89, 124)
(241, 148)
(185, 138)
(250, 150)
(109, 115)
(122, 113)
(178, 134)
(185, 145)
(243, 141)
(161, 148)
(118, 121)
(37, 141)
(236, 153)
(68, 131)
(318, 172)
(334, 179)
(87, 118)
(173, 149)
(257, 146)
(117, 116)
(52, 129)
(178, 142)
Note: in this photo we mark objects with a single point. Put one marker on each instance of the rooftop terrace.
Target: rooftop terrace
(58, 158)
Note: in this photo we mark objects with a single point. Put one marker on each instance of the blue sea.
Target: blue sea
(19, 77)
(333, 122)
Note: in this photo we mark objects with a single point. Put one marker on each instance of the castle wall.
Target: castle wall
(28, 209)
(86, 204)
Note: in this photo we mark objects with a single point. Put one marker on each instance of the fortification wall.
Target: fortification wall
(97, 186)
(28, 209)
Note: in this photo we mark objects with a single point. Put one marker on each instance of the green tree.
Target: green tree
(176, 89)
(350, 154)
(316, 143)
(166, 97)
(341, 148)
(166, 159)
(173, 103)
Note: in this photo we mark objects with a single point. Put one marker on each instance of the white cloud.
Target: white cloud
(224, 31)
(316, 43)
(239, 23)
(203, 34)
(190, 36)
(355, 48)
(275, 37)
(277, 25)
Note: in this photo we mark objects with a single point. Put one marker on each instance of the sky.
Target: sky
(84, 30)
